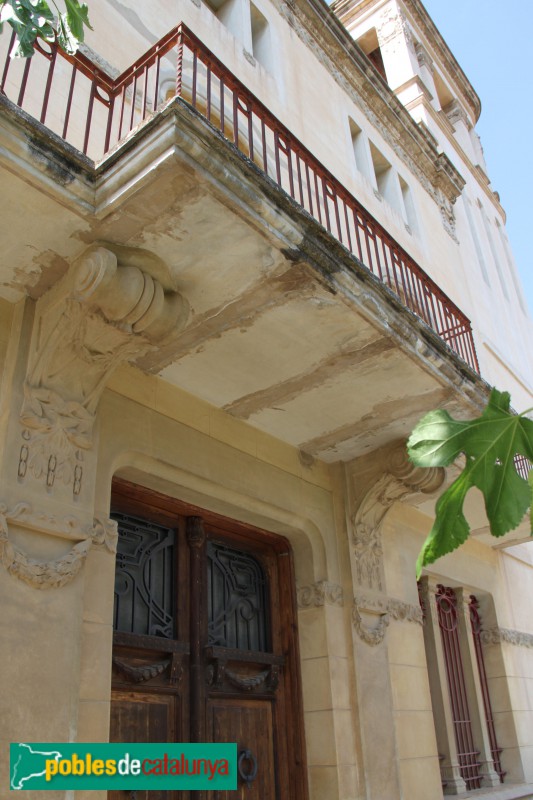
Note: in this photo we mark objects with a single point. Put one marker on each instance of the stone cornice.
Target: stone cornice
(481, 179)
(346, 9)
(450, 63)
(319, 28)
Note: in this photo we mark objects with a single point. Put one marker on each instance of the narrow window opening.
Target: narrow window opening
(477, 628)
(359, 148)
(477, 244)
(228, 12)
(494, 254)
(409, 208)
(261, 49)
(467, 752)
(512, 268)
(443, 93)
(369, 44)
(383, 173)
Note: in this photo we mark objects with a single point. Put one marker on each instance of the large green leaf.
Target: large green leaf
(34, 18)
(77, 16)
(489, 444)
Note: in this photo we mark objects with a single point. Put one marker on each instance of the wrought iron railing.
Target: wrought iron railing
(82, 104)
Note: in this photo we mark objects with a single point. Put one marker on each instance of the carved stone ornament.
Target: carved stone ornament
(60, 571)
(218, 674)
(383, 609)
(102, 314)
(141, 673)
(423, 57)
(402, 480)
(392, 24)
(456, 113)
(321, 593)
(507, 635)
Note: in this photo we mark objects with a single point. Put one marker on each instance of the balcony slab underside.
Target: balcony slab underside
(287, 331)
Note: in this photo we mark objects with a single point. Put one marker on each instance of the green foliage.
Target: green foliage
(34, 18)
(489, 445)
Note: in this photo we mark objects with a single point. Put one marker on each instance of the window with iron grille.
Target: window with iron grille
(466, 735)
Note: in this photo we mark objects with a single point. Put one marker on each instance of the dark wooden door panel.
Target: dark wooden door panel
(141, 717)
(249, 723)
(205, 643)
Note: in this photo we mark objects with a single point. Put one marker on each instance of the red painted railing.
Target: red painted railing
(93, 112)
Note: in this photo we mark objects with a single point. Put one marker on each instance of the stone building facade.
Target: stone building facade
(236, 271)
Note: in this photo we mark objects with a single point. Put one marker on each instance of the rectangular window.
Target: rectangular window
(408, 205)
(475, 621)
(261, 49)
(360, 151)
(467, 752)
(464, 722)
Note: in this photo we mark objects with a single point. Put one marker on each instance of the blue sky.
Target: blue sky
(492, 42)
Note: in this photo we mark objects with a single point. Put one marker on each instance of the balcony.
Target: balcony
(96, 114)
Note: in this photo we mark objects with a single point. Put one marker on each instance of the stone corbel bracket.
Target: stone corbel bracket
(103, 534)
(402, 480)
(106, 311)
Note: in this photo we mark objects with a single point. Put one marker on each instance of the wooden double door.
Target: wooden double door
(205, 643)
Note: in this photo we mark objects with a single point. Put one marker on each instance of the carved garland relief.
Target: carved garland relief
(59, 572)
(384, 609)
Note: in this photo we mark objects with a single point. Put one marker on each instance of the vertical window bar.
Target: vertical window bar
(449, 627)
(476, 623)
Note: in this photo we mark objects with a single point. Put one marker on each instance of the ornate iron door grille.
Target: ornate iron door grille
(467, 753)
(475, 621)
(144, 578)
(237, 600)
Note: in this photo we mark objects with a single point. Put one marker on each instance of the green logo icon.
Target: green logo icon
(153, 766)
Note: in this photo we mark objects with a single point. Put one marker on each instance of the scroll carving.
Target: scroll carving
(58, 572)
(321, 593)
(104, 313)
(105, 533)
(402, 480)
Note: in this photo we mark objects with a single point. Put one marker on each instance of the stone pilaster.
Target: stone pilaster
(373, 610)
(112, 306)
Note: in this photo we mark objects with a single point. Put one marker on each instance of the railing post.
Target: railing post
(179, 65)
